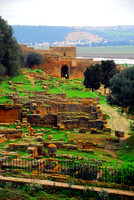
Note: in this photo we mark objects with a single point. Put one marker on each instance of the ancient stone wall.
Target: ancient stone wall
(82, 64)
(12, 133)
(67, 114)
(64, 51)
(37, 120)
(57, 57)
(10, 113)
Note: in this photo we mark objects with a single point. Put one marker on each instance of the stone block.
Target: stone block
(12, 133)
(52, 149)
(70, 147)
(119, 133)
(32, 150)
(70, 156)
(108, 129)
(71, 141)
(88, 151)
(62, 139)
(85, 101)
(49, 137)
(104, 116)
(39, 138)
(93, 130)
(2, 138)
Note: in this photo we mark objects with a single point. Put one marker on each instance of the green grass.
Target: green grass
(98, 155)
(4, 98)
(82, 94)
(127, 152)
(5, 87)
(20, 78)
(57, 135)
(72, 88)
(54, 91)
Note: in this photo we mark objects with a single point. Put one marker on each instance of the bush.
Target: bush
(32, 188)
(33, 58)
(125, 174)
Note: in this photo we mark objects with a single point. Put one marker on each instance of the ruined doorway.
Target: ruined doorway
(64, 72)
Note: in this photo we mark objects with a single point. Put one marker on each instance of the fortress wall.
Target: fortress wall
(82, 64)
(50, 65)
(25, 49)
(64, 51)
(56, 57)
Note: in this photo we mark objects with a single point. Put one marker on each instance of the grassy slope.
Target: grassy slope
(47, 194)
(72, 88)
(127, 152)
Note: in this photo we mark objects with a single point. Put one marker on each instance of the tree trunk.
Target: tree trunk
(104, 90)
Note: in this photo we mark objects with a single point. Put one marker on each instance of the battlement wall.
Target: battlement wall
(64, 51)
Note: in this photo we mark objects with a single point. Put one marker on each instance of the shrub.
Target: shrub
(125, 174)
(32, 188)
(33, 58)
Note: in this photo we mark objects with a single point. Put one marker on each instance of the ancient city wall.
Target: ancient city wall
(64, 51)
(56, 58)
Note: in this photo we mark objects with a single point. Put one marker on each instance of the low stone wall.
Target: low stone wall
(12, 133)
(10, 113)
(38, 120)
(69, 113)
(21, 147)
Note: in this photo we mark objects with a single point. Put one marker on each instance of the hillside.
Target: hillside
(35, 79)
(81, 36)
(39, 97)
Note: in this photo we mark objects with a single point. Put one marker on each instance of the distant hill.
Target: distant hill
(82, 36)
(78, 36)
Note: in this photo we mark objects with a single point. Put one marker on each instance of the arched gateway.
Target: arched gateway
(64, 72)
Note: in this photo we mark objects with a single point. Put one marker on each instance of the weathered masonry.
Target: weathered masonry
(61, 62)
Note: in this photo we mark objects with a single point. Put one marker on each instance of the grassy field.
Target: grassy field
(105, 50)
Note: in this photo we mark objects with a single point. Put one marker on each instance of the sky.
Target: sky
(68, 13)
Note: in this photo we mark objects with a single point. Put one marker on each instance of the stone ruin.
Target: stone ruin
(47, 110)
(61, 61)
(67, 114)
(55, 111)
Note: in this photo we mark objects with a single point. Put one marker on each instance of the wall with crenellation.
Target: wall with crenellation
(56, 58)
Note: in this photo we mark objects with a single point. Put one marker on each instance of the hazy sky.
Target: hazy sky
(68, 13)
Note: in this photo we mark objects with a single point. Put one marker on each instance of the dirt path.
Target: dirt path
(30, 78)
(116, 121)
(111, 152)
(47, 183)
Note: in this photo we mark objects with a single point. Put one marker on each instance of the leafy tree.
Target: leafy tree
(33, 58)
(2, 72)
(122, 89)
(10, 52)
(108, 71)
(93, 77)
